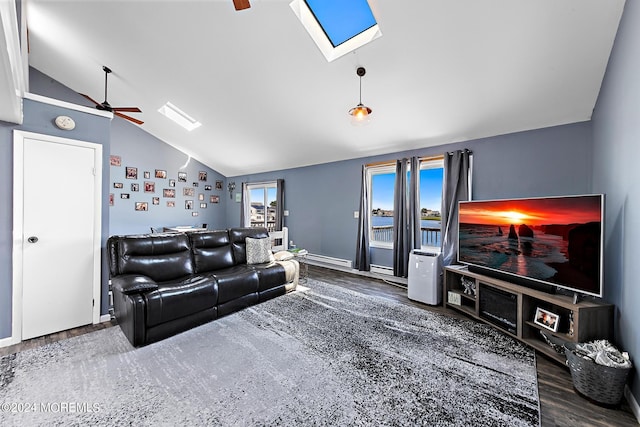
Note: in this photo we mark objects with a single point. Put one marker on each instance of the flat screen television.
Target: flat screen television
(543, 242)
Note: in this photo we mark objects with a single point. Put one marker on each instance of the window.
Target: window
(431, 177)
(382, 180)
(262, 205)
(382, 183)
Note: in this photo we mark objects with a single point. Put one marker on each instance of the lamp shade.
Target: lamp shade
(360, 114)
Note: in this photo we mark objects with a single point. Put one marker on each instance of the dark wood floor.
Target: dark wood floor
(559, 403)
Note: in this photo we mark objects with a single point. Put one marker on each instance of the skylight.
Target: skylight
(337, 26)
(180, 117)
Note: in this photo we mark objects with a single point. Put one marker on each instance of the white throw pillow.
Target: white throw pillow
(258, 250)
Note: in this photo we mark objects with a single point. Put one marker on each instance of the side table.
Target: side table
(300, 255)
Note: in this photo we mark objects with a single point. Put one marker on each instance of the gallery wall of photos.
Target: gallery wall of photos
(162, 188)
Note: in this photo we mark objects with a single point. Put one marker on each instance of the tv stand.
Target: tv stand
(512, 308)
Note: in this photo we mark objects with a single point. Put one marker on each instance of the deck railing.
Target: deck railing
(430, 236)
(271, 225)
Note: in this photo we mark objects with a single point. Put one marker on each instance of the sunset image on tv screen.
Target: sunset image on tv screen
(555, 240)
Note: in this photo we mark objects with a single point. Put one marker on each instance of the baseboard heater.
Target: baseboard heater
(381, 269)
(322, 259)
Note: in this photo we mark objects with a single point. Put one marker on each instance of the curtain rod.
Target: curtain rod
(466, 149)
(393, 162)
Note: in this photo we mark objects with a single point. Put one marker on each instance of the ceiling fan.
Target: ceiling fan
(241, 4)
(105, 106)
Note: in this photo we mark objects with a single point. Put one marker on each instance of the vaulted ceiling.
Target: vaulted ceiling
(443, 71)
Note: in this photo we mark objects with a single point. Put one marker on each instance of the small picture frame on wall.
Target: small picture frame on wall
(172, 183)
(147, 175)
(203, 206)
(171, 204)
(182, 177)
(149, 187)
(202, 176)
(118, 185)
(214, 199)
(218, 185)
(188, 191)
(194, 213)
(195, 184)
(111, 199)
(131, 172)
(124, 195)
(161, 174)
(201, 197)
(142, 206)
(207, 187)
(135, 187)
(546, 319)
(155, 200)
(115, 161)
(188, 204)
(169, 192)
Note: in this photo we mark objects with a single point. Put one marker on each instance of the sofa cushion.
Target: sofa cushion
(235, 282)
(161, 257)
(173, 300)
(238, 241)
(270, 275)
(211, 250)
(258, 251)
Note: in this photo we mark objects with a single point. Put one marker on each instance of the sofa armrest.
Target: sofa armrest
(129, 284)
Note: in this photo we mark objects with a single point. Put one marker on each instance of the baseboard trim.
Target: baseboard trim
(633, 403)
(105, 318)
(6, 342)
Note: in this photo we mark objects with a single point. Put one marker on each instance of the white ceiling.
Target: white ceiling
(443, 71)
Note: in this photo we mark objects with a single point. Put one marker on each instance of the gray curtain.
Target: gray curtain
(363, 257)
(406, 221)
(414, 204)
(245, 213)
(279, 204)
(455, 189)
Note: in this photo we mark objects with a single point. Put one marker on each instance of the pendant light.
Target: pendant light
(360, 114)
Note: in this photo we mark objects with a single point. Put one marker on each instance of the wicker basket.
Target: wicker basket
(599, 383)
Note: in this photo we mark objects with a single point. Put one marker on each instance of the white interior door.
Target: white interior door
(58, 235)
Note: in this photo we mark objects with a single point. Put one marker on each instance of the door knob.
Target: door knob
(32, 239)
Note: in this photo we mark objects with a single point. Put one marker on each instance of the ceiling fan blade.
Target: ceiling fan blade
(127, 109)
(131, 119)
(241, 4)
(90, 99)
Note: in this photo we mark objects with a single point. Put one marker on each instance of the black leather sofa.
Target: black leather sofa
(166, 283)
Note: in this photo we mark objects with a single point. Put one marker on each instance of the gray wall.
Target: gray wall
(39, 118)
(133, 145)
(321, 199)
(616, 129)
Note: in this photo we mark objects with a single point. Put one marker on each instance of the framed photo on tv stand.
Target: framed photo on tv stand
(546, 319)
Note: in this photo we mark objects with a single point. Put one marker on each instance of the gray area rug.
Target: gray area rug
(323, 356)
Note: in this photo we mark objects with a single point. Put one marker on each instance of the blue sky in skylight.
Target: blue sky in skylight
(342, 19)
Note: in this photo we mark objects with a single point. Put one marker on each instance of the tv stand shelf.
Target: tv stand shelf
(585, 320)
